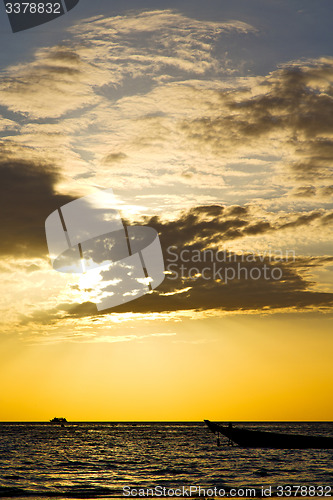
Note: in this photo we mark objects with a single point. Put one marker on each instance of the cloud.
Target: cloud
(327, 191)
(184, 123)
(204, 275)
(327, 218)
(89, 105)
(251, 138)
(217, 224)
(148, 42)
(7, 125)
(114, 158)
(27, 197)
(210, 228)
(57, 81)
(305, 192)
(104, 51)
(292, 106)
(141, 103)
(302, 220)
(195, 293)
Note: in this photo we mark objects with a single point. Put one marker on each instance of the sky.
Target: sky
(212, 122)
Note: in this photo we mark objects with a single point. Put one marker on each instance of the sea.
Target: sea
(161, 460)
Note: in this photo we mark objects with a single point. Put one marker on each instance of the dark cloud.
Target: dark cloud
(327, 191)
(206, 224)
(215, 225)
(327, 219)
(260, 227)
(305, 192)
(114, 158)
(316, 156)
(209, 211)
(302, 220)
(27, 197)
(52, 316)
(61, 70)
(53, 83)
(209, 229)
(236, 210)
(212, 278)
(295, 104)
(291, 291)
(63, 53)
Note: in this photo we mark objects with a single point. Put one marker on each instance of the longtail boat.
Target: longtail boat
(262, 439)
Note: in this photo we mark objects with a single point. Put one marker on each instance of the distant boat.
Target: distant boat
(261, 439)
(57, 420)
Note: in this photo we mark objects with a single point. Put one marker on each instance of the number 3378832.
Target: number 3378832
(33, 8)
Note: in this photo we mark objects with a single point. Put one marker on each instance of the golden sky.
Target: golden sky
(215, 150)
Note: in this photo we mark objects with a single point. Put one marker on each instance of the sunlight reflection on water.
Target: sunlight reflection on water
(97, 460)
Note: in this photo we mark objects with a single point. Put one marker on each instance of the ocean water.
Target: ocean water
(98, 460)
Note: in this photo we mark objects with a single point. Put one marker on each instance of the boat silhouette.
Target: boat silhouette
(58, 420)
(263, 439)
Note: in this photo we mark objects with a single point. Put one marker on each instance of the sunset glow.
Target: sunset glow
(215, 129)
